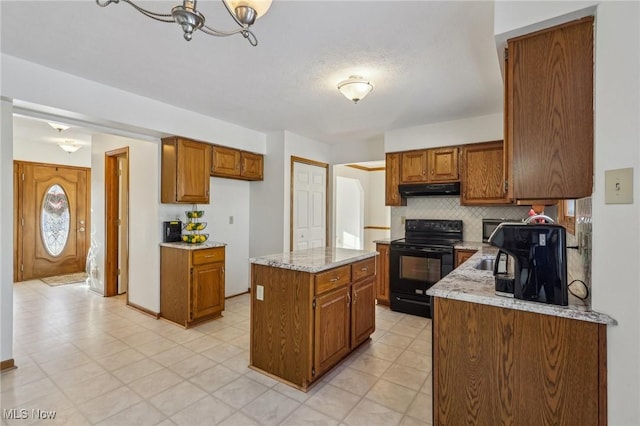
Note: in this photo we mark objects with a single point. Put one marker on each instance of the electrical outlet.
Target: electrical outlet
(618, 186)
(230, 220)
(259, 292)
(403, 219)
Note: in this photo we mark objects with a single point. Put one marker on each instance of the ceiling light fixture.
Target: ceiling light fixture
(244, 12)
(355, 88)
(58, 126)
(70, 146)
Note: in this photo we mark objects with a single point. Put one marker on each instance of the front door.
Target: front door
(53, 219)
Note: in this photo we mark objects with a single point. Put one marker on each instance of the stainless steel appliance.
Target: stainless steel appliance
(539, 253)
(419, 260)
(172, 231)
(490, 225)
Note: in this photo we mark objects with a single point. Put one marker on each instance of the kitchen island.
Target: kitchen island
(309, 310)
(499, 360)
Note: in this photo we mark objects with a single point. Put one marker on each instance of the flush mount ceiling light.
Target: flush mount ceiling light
(58, 126)
(355, 88)
(70, 146)
(244, 12)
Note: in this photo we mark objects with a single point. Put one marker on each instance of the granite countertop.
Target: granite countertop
(313, 260)
(468, 284)
(191, 246)
(383, 241)
(470, 245)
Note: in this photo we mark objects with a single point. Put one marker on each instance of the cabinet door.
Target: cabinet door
(251, 166)
(382, 274)
(414, 166)
(392, 179)
(331, 341)
(443, 164)
(482, 174)
(363, 310)
(226, 162)
(207, 290)
(463, 255)
(192, 180)
(550, 112)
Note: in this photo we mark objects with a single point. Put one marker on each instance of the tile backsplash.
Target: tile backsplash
(448, 207)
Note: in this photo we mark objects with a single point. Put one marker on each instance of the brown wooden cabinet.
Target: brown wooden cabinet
(184, 171)
(516, 367)
(191, 284)
(236, 164)
(462, 255)
(549, 112)
(430, 165)
(382, 274)
(392, 179)
(305, 323)
(483, 179)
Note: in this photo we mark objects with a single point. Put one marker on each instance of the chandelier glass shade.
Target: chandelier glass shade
(243, 12)
(70, 146)
(355, 88)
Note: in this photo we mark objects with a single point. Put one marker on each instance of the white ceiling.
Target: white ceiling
(429, 61)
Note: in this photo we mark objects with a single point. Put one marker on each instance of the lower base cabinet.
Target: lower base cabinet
(499, 366)
(191, 284)
(306, 323)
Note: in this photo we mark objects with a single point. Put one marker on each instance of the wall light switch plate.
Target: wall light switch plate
(618, 186)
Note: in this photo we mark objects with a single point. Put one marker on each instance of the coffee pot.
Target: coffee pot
(539, 254)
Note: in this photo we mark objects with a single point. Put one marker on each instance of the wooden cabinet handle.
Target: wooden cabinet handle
(355, 297)
(365, 269)
(333, 280)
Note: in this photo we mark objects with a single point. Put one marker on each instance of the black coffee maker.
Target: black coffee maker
(539, 252)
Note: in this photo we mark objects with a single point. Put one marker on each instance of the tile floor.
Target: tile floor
(95, 361)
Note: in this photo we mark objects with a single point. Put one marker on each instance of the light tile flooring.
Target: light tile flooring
(93, 360)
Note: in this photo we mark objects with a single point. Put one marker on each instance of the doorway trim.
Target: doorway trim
(294, 160)
(112, 208)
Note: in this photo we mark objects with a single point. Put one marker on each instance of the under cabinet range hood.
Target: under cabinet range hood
(428, 189)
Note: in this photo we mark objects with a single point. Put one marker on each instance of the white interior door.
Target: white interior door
(309, 225)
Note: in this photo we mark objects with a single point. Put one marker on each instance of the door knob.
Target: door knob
(81, 229)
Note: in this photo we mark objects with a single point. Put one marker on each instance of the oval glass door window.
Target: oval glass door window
(54, 222)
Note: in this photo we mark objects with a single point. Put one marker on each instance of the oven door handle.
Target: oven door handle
(417, 302)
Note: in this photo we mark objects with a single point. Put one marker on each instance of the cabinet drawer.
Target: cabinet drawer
(332, 278)
(363, 268)
(210, 255)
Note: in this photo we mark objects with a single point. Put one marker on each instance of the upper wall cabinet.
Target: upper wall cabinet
(430, 165)
(232, 163)
(549, 113)
(392, 179)
(482, 174)
(184, 175)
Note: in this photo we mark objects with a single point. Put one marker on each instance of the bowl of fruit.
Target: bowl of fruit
(195, 226)
(195, 214)
(195, 238)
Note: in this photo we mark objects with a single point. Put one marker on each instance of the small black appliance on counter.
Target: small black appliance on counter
(539, 253)
(172, 231)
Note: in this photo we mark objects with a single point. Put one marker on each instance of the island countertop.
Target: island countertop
(468, 284)
(313, 260)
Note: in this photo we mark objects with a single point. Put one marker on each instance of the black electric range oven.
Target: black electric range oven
(420, 260)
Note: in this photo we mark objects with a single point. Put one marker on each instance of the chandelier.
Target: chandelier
(244, 12)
